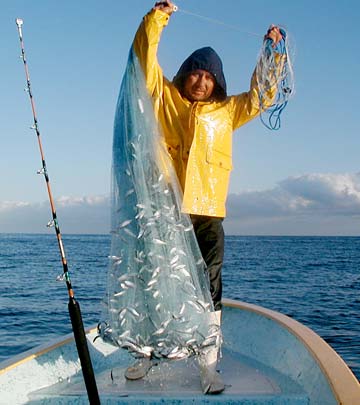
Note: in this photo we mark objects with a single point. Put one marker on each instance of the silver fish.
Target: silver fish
(125, 223)
(127, 231)
(141, 106)
(130, 346)
(115, 258)
(184, 272)
(182, 252)
(129, 284)
(195, 305)
(159, 331)
(146, 350)
(120, 293)
(129, 192)
(174, 260)
(159, 242)
(152, 282)
(182, 309)
(156, 272)
(134, 312)
(140, 215)
(180, 354)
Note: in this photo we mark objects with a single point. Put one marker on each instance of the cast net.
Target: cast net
(158, 301)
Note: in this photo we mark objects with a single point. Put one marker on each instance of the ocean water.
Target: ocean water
(315, 280)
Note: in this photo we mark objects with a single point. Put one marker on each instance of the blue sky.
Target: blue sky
(302, 179)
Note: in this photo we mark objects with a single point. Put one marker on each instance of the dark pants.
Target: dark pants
(210, 236)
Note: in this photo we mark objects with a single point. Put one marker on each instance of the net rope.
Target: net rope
(277, 73)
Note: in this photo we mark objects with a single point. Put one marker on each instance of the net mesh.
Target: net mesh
(158, 301)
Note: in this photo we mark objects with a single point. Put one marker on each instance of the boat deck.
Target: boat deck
(178, 382)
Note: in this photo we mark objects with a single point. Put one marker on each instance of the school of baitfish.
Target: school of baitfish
(158, 302)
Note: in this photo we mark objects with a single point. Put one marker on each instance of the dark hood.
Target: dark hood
(204, 59)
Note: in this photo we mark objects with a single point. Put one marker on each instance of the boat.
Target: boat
(267, 358)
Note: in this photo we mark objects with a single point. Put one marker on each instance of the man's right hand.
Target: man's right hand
(166, 6)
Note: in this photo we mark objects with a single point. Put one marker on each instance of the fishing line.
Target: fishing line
(217, 22)
(73, 305)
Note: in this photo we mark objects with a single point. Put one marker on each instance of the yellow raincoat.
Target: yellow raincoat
(198, 134)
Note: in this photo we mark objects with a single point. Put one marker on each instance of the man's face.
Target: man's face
(199, 85)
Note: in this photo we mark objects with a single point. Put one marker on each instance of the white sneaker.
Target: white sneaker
(139, 369)
(215, 385)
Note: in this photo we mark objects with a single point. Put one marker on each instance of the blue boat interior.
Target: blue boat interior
(261, 363)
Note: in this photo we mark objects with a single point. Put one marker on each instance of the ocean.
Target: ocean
(315, 280)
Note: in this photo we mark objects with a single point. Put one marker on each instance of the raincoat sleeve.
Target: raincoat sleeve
(146, 44)
(246, 106)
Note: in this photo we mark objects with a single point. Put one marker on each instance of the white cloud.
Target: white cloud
(309, 204)
(75, 215)
(331, 193)
(66, 201)
(312, 204)
(11, 205)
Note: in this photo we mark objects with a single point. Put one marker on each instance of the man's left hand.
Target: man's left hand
(274, 34)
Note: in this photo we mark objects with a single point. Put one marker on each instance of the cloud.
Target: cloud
(75, 215)
(333, 193)
(312, 204)
(10, 205)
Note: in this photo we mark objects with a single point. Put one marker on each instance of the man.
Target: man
(198, 119)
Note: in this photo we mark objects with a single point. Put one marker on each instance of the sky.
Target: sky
(301, 180)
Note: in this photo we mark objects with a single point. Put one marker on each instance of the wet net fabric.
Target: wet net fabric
(158, 301)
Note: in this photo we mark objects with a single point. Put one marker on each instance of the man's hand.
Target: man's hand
(274, 34)
(167, 6)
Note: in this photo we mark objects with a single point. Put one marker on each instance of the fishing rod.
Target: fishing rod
(73, 305)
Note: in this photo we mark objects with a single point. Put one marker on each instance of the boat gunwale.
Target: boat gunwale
(344, 384)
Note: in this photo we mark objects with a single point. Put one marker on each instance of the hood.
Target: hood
(205, 59)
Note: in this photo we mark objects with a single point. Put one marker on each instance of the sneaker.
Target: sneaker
(216, 385)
